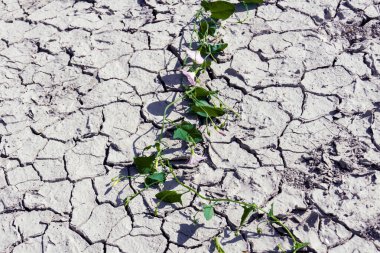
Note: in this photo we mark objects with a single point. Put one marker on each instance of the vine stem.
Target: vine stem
(130, 198)
(200, 195)
(241, 203)
(278, 222)
(165, 115)
(164, 118)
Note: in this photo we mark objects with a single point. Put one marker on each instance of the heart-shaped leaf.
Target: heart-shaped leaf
(188, 132)
(155, 179)
(213, 50)
(205, 109)
(217, 48)
(219, 9)
(145, 164)
(208, 212)
(207, 27)
(201, 93)
(169, 197)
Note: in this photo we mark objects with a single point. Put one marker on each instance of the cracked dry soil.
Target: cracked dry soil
(82, 85)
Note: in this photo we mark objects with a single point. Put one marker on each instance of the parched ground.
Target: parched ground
(82, 87)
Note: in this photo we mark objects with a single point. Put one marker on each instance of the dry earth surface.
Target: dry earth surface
(82, 87)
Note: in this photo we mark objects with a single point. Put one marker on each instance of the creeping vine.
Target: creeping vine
(204, 48)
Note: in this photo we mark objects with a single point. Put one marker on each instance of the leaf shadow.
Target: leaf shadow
(174, 82)
(157, 108)
(186, 231)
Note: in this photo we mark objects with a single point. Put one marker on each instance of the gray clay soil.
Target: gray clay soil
(82, 87)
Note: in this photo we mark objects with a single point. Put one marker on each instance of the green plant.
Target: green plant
(211, 112)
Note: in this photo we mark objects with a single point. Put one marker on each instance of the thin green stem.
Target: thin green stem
(241, 203)
(165, 115)
(278, 222)
(130, 198)
(200, 195)
(228, 107)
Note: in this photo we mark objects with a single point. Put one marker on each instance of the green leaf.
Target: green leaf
(246, 212)
(219, 9)
(145, 164)
(214, 50)
(181, 134)
(205, 5)
(201, 93)
(218, 247)
(207, 27)
(252, 1)
(169, 197)
(208, 212)
(217, 48)
(206, 64)
(205, 109)
(299, 245)
(155, 178)
(188, 132)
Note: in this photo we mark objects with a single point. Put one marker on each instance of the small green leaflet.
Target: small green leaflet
(188, 132)
(169, 197)
(218, 247)
(181, 134)
(218, 47)
(207, 28)
(206, 64)
(202, 93)
(205, 109)
(155, 179)
(271, 212)
(219, 9)
(208, 211)
(213, 49)
(246, 212)
(145, 164)
(299, 245)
